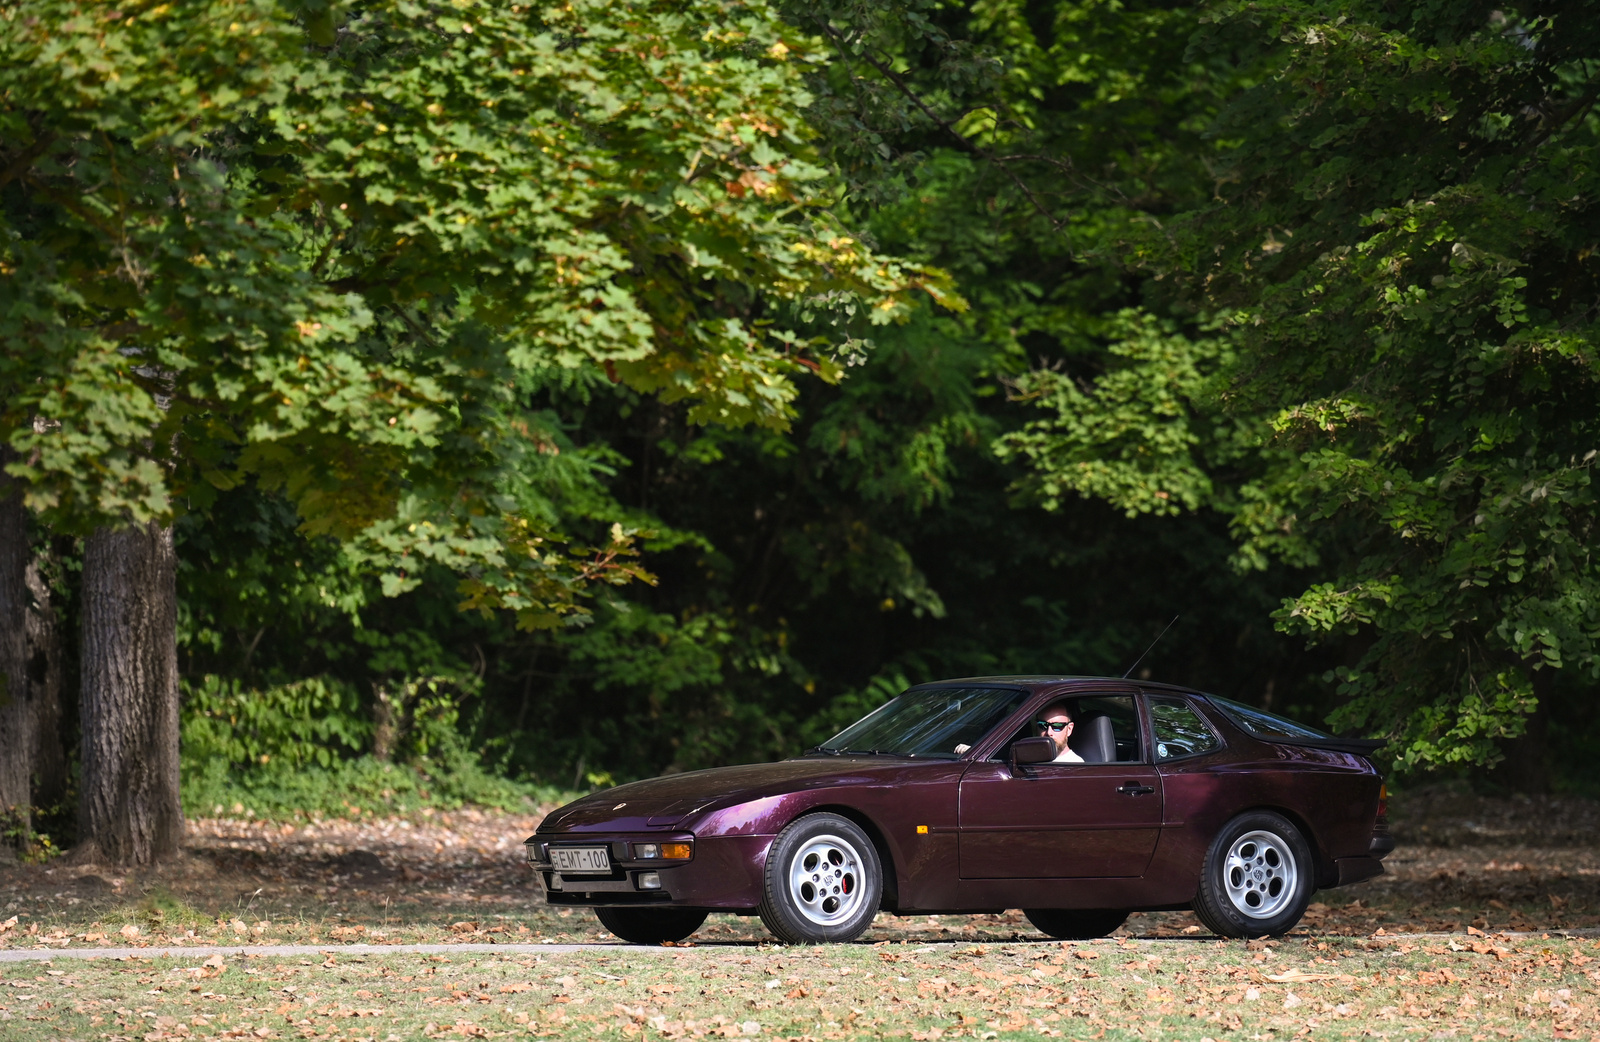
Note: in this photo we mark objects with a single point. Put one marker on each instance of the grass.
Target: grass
(1483, 989)
(283, 791)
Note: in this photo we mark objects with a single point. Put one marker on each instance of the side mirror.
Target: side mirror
(1033, 750)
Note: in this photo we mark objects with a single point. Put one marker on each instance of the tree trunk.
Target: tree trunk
(45, 682)
(16, 705)
(1527, 763)
(385, 724)
(129, 811)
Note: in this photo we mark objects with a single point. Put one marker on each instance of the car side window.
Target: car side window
(1105, 729)
(1179, 731)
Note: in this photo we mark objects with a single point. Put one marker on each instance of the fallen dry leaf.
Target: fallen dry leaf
(1296, 976)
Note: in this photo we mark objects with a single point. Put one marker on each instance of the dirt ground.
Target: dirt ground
(1463, 861)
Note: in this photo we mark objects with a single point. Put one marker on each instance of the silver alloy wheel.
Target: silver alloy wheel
(1260, 874)
(825, 880)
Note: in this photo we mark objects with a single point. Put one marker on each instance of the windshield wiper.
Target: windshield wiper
(829, 751)
(852, 752)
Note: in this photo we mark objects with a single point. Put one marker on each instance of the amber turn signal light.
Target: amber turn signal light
(1383, 801)
(681, 851)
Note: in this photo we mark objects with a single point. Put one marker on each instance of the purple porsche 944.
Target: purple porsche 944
(1076, 799)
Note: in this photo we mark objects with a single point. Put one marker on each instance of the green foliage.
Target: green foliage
(804, 571)
(302, 749)
(326, 253)
(20, 837)
(1274, 308)
(1404, 229)
(1401, 392)
(1138, 437)
(311, 722)
(350, 788)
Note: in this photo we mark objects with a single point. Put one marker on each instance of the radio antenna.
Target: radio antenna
(1147, 651)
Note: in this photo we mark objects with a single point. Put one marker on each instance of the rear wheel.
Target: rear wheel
(823, 881)
(650, 925)
(1075, 924)
(1257, 878)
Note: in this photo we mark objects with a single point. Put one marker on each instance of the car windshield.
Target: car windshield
(928, 722)
(1263, 724)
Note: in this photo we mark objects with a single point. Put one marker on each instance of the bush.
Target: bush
(302, 750)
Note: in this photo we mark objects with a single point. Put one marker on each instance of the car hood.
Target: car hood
(666, 801)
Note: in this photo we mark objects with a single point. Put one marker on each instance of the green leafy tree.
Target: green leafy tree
(1399, 256)
(324, 248)
(1408, 245)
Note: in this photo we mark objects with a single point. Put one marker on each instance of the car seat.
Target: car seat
(1093, 739)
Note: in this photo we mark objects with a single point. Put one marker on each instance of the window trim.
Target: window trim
(1222, 741)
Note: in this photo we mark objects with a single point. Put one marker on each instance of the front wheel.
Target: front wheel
(1257, 878)
(823, 881)
(650, 925)
(1075, 924)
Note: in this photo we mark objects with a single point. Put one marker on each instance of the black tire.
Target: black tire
(651, 925)
(823, 881)
(1257, 879)
(1075, 924)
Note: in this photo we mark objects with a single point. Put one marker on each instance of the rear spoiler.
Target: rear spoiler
(1357, 746)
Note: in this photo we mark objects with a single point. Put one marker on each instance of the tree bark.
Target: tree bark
(129, 811)
(16, 705)
(1527, 763)
(45, 683)
(385, 723)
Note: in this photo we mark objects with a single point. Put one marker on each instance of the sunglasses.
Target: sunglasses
(1056, 726)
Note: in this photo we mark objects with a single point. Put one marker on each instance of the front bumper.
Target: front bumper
(725, 872)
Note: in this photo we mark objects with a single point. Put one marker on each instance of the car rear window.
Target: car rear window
(1263, 724)
(1179, 730)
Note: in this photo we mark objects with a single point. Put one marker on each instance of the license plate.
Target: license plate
(581, 859)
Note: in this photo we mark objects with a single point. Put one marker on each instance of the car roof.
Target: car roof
(1043, 680)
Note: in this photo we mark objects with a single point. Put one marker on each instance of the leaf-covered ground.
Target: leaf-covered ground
(459, 876)
(1351, 970)
(1484, 989)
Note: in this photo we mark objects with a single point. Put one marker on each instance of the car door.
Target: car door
(1064, 820)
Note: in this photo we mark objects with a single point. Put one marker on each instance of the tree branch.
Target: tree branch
(944, 124)
(26, 158)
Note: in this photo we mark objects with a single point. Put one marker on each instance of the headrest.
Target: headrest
(1093, 739)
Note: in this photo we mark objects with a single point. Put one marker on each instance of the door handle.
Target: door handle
(1135, 789)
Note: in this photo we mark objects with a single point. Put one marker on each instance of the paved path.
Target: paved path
(199, 951)
(289, 950)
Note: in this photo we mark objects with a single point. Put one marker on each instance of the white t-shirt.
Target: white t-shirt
(1067, 756)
